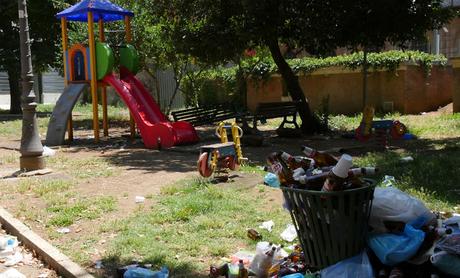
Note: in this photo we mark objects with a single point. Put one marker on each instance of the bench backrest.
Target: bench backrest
(205, 115)
(276, 109)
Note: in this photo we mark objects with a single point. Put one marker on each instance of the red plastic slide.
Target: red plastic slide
(156, 130)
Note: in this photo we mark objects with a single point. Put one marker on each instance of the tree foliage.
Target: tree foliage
(155, 45)
(218, 31)
(44, 33)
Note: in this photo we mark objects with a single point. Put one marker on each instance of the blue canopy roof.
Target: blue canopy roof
(101, 9)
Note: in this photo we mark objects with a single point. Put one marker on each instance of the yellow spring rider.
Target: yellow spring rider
(224, 155)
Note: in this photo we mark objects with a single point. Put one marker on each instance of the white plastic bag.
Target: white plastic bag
(391, 204)
(289, 234)
(354, 267)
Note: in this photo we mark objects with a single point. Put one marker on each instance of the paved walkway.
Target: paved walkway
(49, 98)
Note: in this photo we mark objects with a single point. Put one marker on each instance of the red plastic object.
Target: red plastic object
(360, 136)
(398, 130)
(232, 165)
(184, 132)
(155, 134)
(156, 130)
(143, 96)
(203, 167)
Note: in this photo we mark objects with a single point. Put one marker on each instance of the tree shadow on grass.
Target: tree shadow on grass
(179, 270)
(5, 116)
(123, 151)
(434, 169)
(154, 161)
(87, 124)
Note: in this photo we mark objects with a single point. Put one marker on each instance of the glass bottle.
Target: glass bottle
(338, 175)
(321, 158)
(242, 272)
(280, 168)
(295, 162)
(364, 171)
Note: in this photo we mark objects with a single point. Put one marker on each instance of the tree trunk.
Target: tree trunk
(178, 74)
(157, 83)
(241, 86)
(15, 91)
(365, 69)
(310, 123)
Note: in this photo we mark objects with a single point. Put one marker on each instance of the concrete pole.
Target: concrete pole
(437, 46)
(31, 147)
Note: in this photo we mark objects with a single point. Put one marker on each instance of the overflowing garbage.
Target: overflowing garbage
(316, 170)
(269, 260)
(401, 238)
(17, 262)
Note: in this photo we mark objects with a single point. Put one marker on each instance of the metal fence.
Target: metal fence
(53, 85)
(167, 86)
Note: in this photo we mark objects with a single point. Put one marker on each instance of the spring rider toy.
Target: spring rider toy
(224, 155)
(381, 129)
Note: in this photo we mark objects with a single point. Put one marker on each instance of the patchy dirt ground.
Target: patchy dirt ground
(135, 171)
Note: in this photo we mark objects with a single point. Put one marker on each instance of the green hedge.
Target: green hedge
(385, 60)
(227, 77)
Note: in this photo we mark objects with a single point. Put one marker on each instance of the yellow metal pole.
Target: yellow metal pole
(105, 119)
(132, 124)
(92, 54)
(100, 24)
(128, 29)
(64, 59)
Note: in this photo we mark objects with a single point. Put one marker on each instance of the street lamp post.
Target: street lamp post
(31, 146)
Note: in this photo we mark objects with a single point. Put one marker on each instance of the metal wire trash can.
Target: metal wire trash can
(331, 226)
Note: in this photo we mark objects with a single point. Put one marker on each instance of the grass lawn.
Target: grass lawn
(188, 223)
(82, 115)
(194, 223)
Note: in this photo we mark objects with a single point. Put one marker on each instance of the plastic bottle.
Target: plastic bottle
(233, 271)
(3, 243)
(280, 254)
(266, 263)
(321, 158)
(279, 259)
(295, 275)
(263, 246)
(261, 249)
(139, 272)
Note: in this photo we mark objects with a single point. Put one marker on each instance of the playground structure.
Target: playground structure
(92, 66)
(224, 155)
(382, 129)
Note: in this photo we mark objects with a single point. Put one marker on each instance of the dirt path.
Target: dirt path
(135, 171)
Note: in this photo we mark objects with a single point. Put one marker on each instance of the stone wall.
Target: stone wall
(408, 90)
